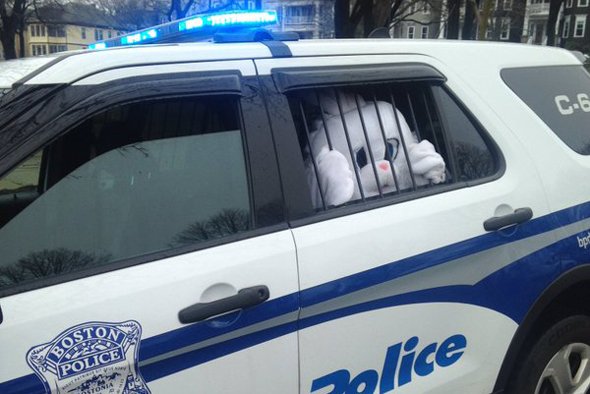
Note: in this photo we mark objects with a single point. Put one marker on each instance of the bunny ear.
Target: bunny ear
(348, 101)
(328, 101)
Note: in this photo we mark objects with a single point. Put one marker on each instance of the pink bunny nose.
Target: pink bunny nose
(384, 166)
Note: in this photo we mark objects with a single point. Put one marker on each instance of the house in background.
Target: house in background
(535, 22)
(69, 27)
(574, 25)
(309, 18)
(418, 19)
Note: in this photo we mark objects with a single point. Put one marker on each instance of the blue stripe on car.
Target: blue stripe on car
(510, 297)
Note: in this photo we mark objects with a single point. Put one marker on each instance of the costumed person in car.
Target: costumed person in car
(379, 157)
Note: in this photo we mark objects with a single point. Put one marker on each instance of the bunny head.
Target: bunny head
(367, 135)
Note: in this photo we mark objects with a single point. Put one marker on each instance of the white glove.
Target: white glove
(426, 162)
(335, 177)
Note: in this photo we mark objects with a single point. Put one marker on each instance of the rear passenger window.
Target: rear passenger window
(560, 96)
(136, 179)
(374, 141)
(473, 156)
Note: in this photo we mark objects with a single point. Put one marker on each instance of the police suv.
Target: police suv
(167, 224)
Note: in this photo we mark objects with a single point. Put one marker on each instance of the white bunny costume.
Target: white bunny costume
(379, 159)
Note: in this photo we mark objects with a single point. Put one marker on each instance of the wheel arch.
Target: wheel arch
(553, 304)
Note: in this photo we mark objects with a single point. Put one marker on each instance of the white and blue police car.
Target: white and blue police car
(158, 232)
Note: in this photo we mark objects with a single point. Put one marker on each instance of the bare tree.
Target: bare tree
(48, 263)
(485, 18)
(453, 22)
(134, 14)
(227, 222)
(179, 8)
(408, 11)
(360, 17)
(13, 18)
(12, 22)
(470, 23)
(554, 6)
(182, 8)
(517, 20)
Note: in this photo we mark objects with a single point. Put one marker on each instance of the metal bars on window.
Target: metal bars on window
(372, 128)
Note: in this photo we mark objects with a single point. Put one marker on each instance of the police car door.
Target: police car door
(143, 243)
(402, 288)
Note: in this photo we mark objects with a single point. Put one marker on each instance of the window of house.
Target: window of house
(109, 34)
(566, 27)
(83, 33)
(580, 30)
(411, 31)
(299, 14)
(38, 49)
(54, 48)
(569, 3)
(507, 5)
(582, 3)
(370, 142)
(98, 35)
(37, 30)
(136, 179)
(426, 8)
(505, 29)
(424, 32)
(56, 31)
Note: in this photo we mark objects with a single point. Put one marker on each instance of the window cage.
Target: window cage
(377, 129)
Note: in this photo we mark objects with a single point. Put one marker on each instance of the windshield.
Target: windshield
(12, 71)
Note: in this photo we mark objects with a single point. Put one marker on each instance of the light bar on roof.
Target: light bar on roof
(98, 45)
(206, 24)
(229, 19)
(139, 37)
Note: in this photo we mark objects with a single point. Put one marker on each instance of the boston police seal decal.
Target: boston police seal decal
(91, 358)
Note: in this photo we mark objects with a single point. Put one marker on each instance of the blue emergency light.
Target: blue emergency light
(198, 26)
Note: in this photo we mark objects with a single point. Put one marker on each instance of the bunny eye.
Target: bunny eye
(392, 148)
(361, 157)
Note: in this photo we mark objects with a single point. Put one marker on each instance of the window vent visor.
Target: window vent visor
(288, 79)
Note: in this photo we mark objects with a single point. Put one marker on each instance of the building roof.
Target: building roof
(75, 14)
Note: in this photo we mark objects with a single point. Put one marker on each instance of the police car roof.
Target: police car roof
(461, 55)
(13, 70)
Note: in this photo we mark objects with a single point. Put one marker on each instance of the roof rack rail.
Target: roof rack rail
(254, 35)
